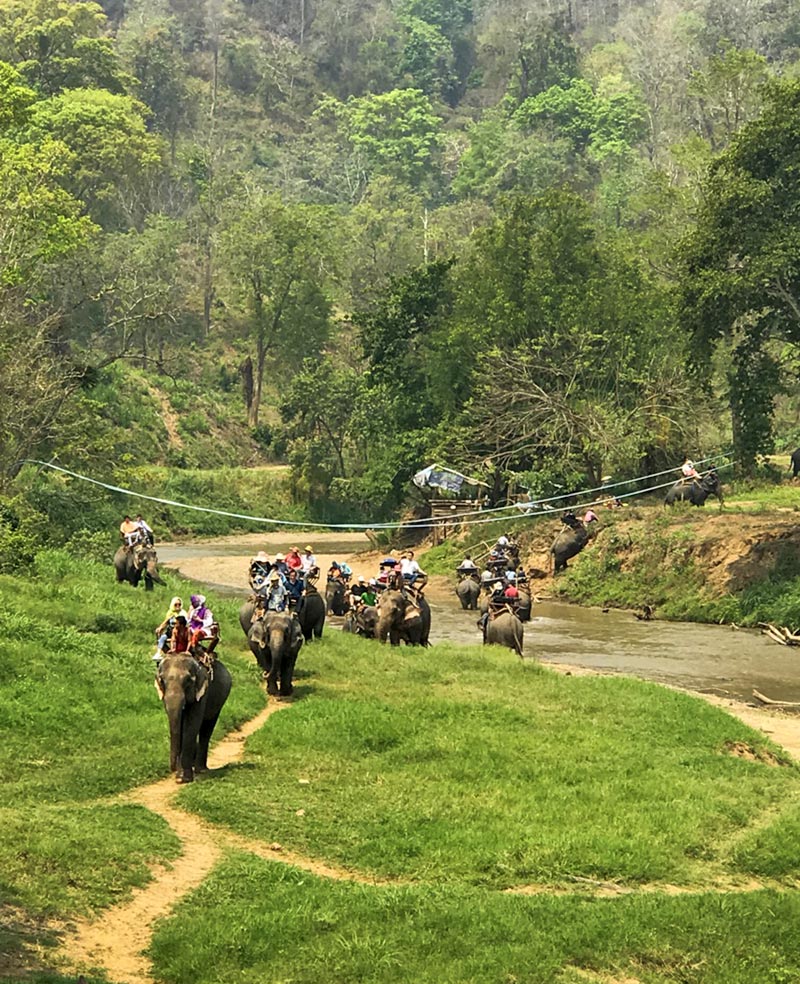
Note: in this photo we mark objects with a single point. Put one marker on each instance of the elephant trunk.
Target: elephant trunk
(174, 705)
(152, 571)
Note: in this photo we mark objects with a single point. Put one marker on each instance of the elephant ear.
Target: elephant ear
(158, 683)
(202, 683)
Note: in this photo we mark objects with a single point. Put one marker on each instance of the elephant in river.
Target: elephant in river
(275, 639)
(504, 629)
(695, 491)
(468, 590)
(336, 596)
(524, 605)
(311, 614)
(193, 698)
(567, 544)
(137, 562)
(401, 617)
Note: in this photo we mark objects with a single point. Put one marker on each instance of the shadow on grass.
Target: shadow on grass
(23, 937)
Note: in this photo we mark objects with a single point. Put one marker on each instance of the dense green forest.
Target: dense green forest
(544, 241)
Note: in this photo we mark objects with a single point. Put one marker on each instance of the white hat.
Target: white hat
(274, 576)
(361, 578)
(497, 585)
(262, 555)
(278, 556)
(373, 583)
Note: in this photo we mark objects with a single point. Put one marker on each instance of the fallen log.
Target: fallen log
(775, 703)
(782, 635)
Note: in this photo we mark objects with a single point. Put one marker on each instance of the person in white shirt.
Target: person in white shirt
(409, 568)
(308, 560)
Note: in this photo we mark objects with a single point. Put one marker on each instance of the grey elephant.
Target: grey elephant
(336, 596)
(567, 544)
(275, 640)
(504, 629)
(193, 699)
(312, 614)
(468, 589)
(403, 618)
(362, 621)
(137, 562)
(695, 492)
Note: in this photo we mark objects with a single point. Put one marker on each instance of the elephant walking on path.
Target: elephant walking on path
(275, 640)
(402, 618)
(193, 697)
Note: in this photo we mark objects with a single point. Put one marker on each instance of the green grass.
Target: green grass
(462, 766)
(449, 775)
(81, 723)
(256, 921)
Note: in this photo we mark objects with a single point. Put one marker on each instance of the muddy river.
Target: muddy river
(709, 658)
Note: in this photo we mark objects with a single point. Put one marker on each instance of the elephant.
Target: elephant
(246, 612)
(362, 621)
(335, 597)
(275, 639)
(484, 601)
(193, 697)
(694, 491)
(401, 617)
(795, 460)
(468, 590)
(134, 563)
(568, 543)
(312, 614)
(504, 629)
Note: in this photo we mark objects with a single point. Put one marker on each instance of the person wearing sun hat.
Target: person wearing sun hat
(293, 560)
(259, 571)
(281, 566)
(277, 597)
(309, 561)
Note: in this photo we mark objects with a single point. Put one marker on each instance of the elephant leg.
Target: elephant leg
(394, 636)
(287, 676)
(274, 674)
(203, 738)
(191, 726)
(148, 583)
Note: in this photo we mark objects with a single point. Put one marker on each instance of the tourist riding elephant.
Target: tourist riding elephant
(335, 596)
(468, 590)
(275, 639)
(137, 562)
(695, 491)
(193, 699)
(311, 614)
(402, 618)
(504, 629)
(568, 543)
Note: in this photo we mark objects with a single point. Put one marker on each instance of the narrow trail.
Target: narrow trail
(114, 942)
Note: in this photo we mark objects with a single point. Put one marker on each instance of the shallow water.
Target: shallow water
(719, 659)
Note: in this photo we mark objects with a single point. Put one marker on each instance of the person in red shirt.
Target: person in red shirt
(293, 560)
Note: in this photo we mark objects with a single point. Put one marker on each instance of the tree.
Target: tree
(115, 158)
(278, 263)
(58, 45)
(741, 274)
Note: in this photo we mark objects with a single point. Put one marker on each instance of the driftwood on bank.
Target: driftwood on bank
(774, 703)
(781, 635)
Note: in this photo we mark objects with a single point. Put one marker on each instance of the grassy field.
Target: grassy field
(80, 722)
(498, 822)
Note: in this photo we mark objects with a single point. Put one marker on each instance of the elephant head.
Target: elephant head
(275, 639)
(391, 611)
(145, 560)
(182, 683)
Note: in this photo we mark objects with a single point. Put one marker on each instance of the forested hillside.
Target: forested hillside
(542, 241)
